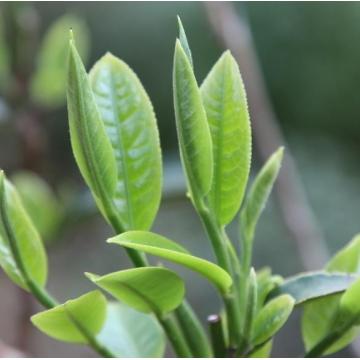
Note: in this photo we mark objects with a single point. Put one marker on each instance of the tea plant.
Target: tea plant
(115, 142)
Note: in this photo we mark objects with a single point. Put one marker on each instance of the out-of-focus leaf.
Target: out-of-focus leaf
(147, 289)
(265, 283)
(226, 108)
(4, 57)
(259, 194)
(130, 123)
(40, 203)
(263, 351)
(91, 147)
(48, 85)
(128, 333)
(271, 318)
(349, 305)
(22, 254)
(308, 286)
(63, 322)
(184, 42)
(192, 127)
(158, 245)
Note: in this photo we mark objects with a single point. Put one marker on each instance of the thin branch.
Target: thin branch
(233, 32)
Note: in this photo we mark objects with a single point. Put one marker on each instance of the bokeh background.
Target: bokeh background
(309, 58)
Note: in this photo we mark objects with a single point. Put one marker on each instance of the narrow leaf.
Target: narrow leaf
(192, 127)
(91, 146)
(271, 318)
(158, 245)
(226, 108)
(130, 124)
(88, 312)
(128, 333)
(308, 286)
(22, 254)
(259, 194)
(147, 289)
(184, 42)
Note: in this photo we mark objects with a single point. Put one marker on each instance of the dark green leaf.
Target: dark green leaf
(192, 127)
(308, 286)
(22, 254)
(63, 322)
(130, 124)
(158, 245)
(226, 108)
(128, 333)
(147, 289)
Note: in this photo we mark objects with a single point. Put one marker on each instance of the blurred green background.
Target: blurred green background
(310, 56)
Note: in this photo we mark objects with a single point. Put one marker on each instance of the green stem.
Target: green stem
(175, 336)
(217, 336)
(193, 331)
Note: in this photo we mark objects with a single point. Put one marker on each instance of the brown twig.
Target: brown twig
(233, 32)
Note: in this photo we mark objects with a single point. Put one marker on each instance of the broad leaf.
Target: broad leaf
(92, 148)
(75, 320)
(350, 302)
(308, 286)
(184, 42)
(147, 289)
(130, 124)
(158, 245)
(192, 127)
(128, 333)
(271, 318)
(40, 203)
(263, 351)
(226, 108)
(22, 254)
(48, 85)
(259, 194)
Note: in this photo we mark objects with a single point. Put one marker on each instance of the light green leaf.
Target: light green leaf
(271, 318)
(158, 245)
(259, 194)
(184, 42)
(48, 85)
(147, 289)
(266, 282)
(226, 108)
(22, 254)
(308, 286)
(350, 302)
(88, 312)
(130, 123)
(128, 333)
(91, 147)
(192, 127)
(263, 351)
(40, 203)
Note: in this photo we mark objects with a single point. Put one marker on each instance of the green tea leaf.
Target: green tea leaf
(147, 289)
(263, 351)
(184, 42)
(22, 254)
(88, 312)
(271, 318)
(40, 203)
(130, 123)
(92, 148)
(308, 286)
(128, 333)
(349, 302)
(226, 108)
(158, 245)
(48, 85)
(192, 127)
(259, 194)
(266, 282)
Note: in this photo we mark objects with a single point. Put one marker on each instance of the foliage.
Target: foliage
(115, 142)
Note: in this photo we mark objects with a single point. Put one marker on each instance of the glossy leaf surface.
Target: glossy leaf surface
(147, 289)
(192, 127)
(63, 321)
(130, 124)
(271, 318)
(91, 147)
(48, 85)
(22, 253)
(128, 333)
(226, 108)
(259, 194)
(158, 245)
(308, 286)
